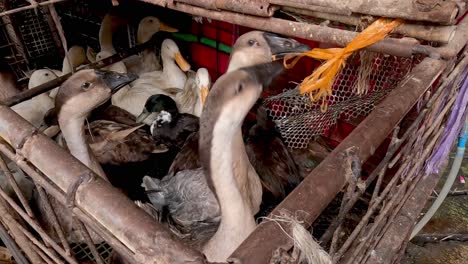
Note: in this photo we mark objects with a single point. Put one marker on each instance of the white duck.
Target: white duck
(157, 82)
(34, 109)
(76, 56)
(190, 100)
(147, 61)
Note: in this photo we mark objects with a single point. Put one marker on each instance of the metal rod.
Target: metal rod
(12, 246)
(397, 47)
(19, 9)
(44, 257)
(442, 34)
(36, 227)
(63, 39)
(297, 5)
(390, 204)
(15, 187)
(84, 232)
(52, 217)
(256, 8)
(41, 246)
(456, 44)
(153, 240)
(114, 242)
(30, 93)
(20, 238)
(438, 11)
(326, 180)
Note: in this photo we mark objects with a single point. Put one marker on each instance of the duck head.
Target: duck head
(149, 26)
(41, 76)
(88, 89)
(170, 51)
(77, 56)
(116, 67)
(159, 107)
(258, 47)
(203, 82)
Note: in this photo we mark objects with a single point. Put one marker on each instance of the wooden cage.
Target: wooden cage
(390, 139)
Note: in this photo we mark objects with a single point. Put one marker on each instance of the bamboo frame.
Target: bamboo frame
(441, 34)
(31, 6)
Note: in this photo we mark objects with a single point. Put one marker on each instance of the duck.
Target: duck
(147, 61)
(272, 161)
(76, 56)
(260, 47)
(35, 109)
(228, 173)
(76, 98)
(169, 126)
(121, 153)
(169, 81)
(8, 81)
(190, 100)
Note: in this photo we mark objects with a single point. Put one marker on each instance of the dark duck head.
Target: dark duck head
(168, 127)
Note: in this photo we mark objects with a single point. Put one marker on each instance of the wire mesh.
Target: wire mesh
(35, 32)
(299, 120)
(82, 251)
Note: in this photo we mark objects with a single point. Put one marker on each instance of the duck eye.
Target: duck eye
(252, 42)
(151, 20)
(86, 85)
(46, 74)
(240, 88)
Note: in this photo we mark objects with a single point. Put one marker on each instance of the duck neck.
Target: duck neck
(175, 77)
(74, 134)
(105, 35)
(237, 220)
(149, 58)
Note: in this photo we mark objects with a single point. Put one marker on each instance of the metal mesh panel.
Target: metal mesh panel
(82, 251)
(35, 32)
(299, 120)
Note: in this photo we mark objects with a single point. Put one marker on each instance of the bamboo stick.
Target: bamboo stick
(441, 34)
(436, 11)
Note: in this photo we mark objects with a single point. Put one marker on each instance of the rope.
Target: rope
(310, 251)
(319, 84)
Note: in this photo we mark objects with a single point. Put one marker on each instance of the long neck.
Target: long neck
(73, 132)
(105, 35)
(237, 220)
(175, 77)
(150, 60)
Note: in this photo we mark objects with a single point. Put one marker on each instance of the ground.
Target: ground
(451, 218)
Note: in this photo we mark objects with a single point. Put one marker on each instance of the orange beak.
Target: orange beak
(183, 64)
(164, 27)
(204, 94)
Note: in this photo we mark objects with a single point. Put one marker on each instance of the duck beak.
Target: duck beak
(164, 27)
(115, 80)
(204, 94)
(280, 46)
(143, 116)
(183, 64)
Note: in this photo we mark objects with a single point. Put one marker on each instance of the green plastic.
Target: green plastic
(205, 41)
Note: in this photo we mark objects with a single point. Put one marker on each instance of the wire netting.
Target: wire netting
(299, 120)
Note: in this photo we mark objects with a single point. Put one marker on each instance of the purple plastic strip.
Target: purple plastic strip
(452, 129)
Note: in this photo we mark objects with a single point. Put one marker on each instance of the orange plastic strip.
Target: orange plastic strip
(319, 84)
